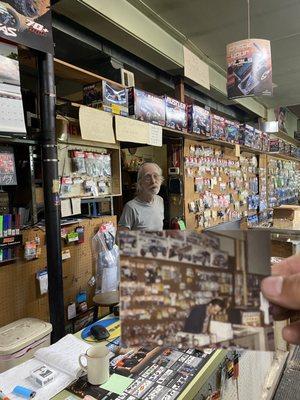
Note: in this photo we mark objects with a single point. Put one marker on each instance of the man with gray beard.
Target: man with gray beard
(146, 210)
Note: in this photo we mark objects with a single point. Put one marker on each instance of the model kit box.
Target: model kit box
(232, 129)
(146, 106)
(294, 150)
(286, 217)
(257, 139)
(265, 142)
(274, 145)
(287, 148)
(176, 117)
(246, 136)
(218, 130)
(107, 96)
(199, 120)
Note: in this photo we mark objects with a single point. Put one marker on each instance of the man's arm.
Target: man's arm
(126, 221)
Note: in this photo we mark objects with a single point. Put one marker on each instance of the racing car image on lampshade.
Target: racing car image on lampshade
(27, 22)
(249, 68)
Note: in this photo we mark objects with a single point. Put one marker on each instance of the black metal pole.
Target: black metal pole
(51, 194)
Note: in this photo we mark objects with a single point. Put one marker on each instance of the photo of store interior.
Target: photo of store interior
(149, 199)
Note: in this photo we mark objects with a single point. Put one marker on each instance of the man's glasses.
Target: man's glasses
(149, 177)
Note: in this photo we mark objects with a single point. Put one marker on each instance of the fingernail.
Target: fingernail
(272, 286)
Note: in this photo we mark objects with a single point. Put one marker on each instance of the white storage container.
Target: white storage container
(20, 340)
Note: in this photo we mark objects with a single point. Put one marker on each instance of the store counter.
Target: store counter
(188, 392)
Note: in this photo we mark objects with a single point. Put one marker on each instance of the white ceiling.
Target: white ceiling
(211, 24)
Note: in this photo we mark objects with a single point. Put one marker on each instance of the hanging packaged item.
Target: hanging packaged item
(78, 163)
(106, 253)
(90, 164)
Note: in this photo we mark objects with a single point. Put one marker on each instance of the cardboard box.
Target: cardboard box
(147, 106)
(199, 120)
(218, 130)
(287, 217)
(176, 117)
(106, 96)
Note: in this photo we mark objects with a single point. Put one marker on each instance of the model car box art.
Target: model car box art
(107, 96)
(218, 130)
(232, 130)
(176, 117)
(146, 106)
(199, 120)
(246, 136)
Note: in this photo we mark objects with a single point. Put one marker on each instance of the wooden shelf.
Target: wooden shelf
(70, 72)
(284, 136)
(283, 157)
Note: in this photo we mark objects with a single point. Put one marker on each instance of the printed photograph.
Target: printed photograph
(188, 289)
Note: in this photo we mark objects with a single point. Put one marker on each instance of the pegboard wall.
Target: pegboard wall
(223, 177)
(19, 290)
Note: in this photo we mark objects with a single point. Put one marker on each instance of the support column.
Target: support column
(51, 194)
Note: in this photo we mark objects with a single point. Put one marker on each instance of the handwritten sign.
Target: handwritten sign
(195, 69)
(131, 130)
(96, 125)
(155, 135)
(7, 167)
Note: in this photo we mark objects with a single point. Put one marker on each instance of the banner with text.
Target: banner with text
(27, 22)
(249, 68)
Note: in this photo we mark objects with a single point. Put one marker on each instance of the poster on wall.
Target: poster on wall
(12, 114)
(27, 22)
(249, 68)
(7, 167)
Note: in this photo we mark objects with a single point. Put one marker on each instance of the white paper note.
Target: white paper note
(131, 130)
(65, 207)
(76, 205)
(155, 135)
(96, 125)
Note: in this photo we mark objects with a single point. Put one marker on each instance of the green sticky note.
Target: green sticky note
(117, 384)
(181, 225)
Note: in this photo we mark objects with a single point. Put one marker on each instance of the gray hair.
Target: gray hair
(140, 173)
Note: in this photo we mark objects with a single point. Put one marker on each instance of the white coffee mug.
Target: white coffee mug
(96, 365)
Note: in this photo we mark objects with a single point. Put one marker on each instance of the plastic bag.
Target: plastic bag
(106, 253)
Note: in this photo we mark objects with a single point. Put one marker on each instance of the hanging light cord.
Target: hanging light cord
(248, 3)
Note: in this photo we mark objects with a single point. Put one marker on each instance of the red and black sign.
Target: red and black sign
(27, 22)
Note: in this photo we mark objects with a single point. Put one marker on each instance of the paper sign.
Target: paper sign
(131, 130)
(76, 205)
(96, 125)
(155, 135)
(65, 207)
(195, 69)
(237, 150)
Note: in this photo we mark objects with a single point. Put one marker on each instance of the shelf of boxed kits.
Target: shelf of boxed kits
(284, 136)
